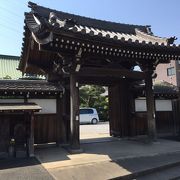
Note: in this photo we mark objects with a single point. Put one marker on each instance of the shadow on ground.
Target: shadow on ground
(109, 159)
(100, 160)
(23, 168)
(17, 162)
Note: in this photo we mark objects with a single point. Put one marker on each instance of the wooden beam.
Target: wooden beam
(150, 106)
(35, 68)
(106, 72)
(74, 116)
(107, 81)
(27, 52)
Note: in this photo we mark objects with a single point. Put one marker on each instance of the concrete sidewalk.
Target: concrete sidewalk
(105, 160)
(130, 168)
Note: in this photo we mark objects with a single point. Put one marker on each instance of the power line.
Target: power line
(9, 11)
(7, 17)
(10, 28)
(11, 22)
(17, 3)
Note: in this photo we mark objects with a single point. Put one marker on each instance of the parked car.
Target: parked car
(88, 115)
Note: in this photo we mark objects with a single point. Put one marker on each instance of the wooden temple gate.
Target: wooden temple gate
(75, 50)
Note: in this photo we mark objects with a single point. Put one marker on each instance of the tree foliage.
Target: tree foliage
(91, 96)
(7, 77)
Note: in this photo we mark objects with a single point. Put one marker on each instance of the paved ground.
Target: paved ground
(90, 131)
(129, 168)
(106, 160)
(23, 169)
(103, 158)
(172, 173)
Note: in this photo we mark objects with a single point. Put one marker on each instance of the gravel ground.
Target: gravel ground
(88, 131)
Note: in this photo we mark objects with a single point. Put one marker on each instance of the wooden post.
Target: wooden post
(74, 116)
(62, 120)
(131, 113)
(31, 136)
(59, 121)
(66, 110)
(150, 106)
(110, 97)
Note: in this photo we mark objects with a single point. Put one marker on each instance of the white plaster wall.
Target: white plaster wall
(48, 105)
(163, 105)
(140, 105)
(160, 105)
(11, 100)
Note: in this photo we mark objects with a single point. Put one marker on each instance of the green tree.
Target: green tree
(7, 77)
(91, 96)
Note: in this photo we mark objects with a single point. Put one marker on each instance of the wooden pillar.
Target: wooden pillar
(150, 103)
(74, 116)
(31, 136)
(110, 97)
(60, 131)
(131, 113)
(66, 110)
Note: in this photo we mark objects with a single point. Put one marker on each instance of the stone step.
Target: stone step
(171, 173)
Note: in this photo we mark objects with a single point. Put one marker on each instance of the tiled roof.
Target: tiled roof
(38, 86)
(59, 32)
(14, 107)
(165, 88)
(85, 21)
(19, 107)
(8, 65)
(88, 26)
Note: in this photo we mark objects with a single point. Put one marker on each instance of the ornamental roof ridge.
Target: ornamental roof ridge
(151, 37)
(87, 21)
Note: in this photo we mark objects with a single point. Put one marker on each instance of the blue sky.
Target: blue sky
(162, 15)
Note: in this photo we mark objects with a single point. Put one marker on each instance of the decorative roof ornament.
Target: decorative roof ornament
(150, 37)
(31, 4)
(171, 40)
(149, 31)
(55, 21)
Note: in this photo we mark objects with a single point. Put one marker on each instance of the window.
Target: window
(86, 111)
(171, 71)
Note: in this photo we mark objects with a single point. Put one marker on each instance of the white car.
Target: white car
(88, 115)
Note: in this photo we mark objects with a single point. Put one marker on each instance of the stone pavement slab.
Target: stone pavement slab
(130, 168)
(112, 159)
(104, 151)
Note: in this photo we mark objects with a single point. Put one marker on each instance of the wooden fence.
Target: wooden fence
(45, 128)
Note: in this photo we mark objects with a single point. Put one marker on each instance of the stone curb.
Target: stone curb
(147, 171)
